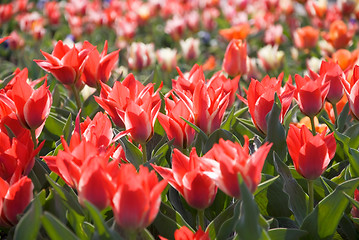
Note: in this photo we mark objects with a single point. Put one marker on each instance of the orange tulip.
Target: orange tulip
(240, 31)
(235, 58)
(339, 35)
(306, 37)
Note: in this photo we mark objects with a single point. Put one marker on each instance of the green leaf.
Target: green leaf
(76, 221)
(250, 126)
(286, 233)
(29, 225)
(69, 198)
(133, 154)
(323, 221)
(297, 197)
(229, 213)
(56, 229)
(276, 132)
(227, 123)
(215, 136)
(100, 225)
(342, 118)
(264, 185)
(289, 116)
(67, 130)
(54, 125)
(248, 226)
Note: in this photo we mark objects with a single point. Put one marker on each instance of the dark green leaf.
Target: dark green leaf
(342, 118)
(29, 225)
(56, 229)
(286, 234)
(323, 221)
(297, 197)
(133, 154)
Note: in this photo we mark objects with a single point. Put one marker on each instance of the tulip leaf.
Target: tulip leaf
(241, 111)
(249, 125)
(286, 233)
(70, 199)
(228, 222)
(323, 221)
(215, 136)
(342, 118)
(248, 226)
(56, 229)
(297, 197)
(68, 128)
(353, 134)
(133, 154)
(29, 225)
(100, 226)
(290, 115)
(263, 185)
(168, 221)
(76, 221)
(276, 132)
(228, 122)
(54, 125)
(201, 138)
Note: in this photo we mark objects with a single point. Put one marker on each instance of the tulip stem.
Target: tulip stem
(77, 96)
(201, 219)
(144, 152)
(311, 196)
(313, 125)
(33, 137)
(335, 111)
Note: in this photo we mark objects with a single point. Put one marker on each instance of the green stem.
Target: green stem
(335, 112)
(77, 97)
(311, 196)
(201, 219)
(33, 137)
(144, 152)
(313, 126)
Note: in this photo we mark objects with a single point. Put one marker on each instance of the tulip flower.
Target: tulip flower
(352, 92)
(271, 58)
(333, 74)
(141, 55)
(187, 82)
(207, 106)
(14, 198)
(239, 31)
(17, 155)
(167, 58)
(344, 58)
(355, 212)
(190, 48)
(260, 99)
(137, 197)
(235, 58)
(274, 35)
(98, 66)
(175, 27)
(339, 35)
(64, 63)
(226, 160)
(174, 126)
(310, 94)
(32, 106)
(185, 234)
(189, 180)
(306, 37)
(310, 154)
(119, 96)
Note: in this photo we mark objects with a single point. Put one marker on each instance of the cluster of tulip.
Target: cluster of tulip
(186, 154)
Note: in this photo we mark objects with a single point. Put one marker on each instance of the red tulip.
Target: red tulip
(235, 58)
(339, 35)
(352, 91)
(310, 154)
(306, 37)
(355, 212)
(310, 94)
(17, 155)
(64, 63)
(187, 82)
(119, 96)
(333, 74)
(32, 106)
(98, 66)
(226, 160)
(260, 99)
(207, 105)
(137, 197)
(189, 180)
(14, 198)
(174, 126)
(185, 234)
